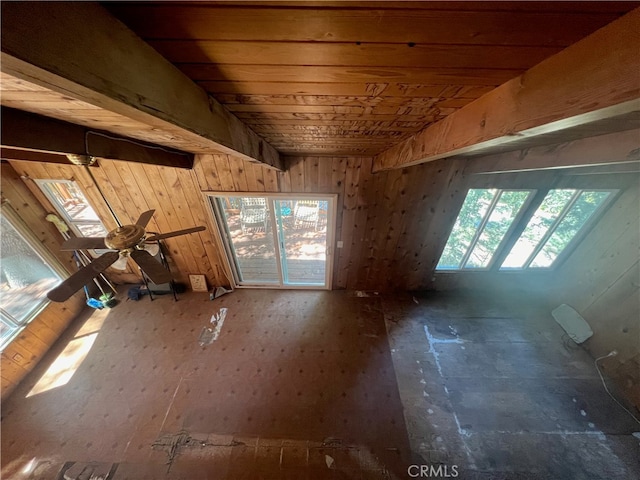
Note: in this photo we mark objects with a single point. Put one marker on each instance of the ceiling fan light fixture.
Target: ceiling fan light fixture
(152, 248)
(83, 160)
(121, 263)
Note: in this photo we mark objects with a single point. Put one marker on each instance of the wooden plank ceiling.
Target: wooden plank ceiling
(355, 78)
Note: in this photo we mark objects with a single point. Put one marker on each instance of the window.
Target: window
(484, 220)
(73, 207)
(482, 230)
(553, 226)
(26, 274)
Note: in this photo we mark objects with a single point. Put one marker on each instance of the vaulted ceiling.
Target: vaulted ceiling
(320, 78)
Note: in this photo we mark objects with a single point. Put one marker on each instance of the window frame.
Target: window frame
(32, 241)
(476, 237)
(579, 235)
(519, 224)
(62, 212)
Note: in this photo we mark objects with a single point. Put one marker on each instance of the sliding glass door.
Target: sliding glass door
(277, 240)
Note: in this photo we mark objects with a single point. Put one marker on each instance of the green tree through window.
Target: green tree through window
(488, 215)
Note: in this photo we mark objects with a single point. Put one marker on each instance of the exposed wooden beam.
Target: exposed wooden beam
(594, 79)
(611, 149)
(33, 156)
(626, 168)
(55, 45)
(28, 131)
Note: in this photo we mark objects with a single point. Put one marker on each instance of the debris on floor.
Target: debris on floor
(208, 335)
(218, 292)
(172, 444)
(87, 471)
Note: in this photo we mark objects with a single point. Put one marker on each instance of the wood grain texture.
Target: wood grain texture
(258, 58)
(119, 83)
(322, 65)
(394, 223)
(580, 85)
(24, 130)
(347, 74)
(351, 54)
(622, 147)
(22, 354)
(276, 90)
(601, 280)
(377, 24)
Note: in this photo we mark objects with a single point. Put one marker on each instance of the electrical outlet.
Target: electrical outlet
(340, 244)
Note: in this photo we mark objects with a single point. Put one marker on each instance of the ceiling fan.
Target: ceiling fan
(126, 240)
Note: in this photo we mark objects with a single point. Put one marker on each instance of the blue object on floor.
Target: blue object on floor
(92, 302)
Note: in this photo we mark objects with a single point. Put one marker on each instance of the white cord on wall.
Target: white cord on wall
(604, 384)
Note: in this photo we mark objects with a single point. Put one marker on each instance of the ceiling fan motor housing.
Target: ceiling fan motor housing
(122, 238)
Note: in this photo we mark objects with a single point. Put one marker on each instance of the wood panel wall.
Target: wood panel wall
(393, 224)
(601, 280)
(132, 189)
(24, 352)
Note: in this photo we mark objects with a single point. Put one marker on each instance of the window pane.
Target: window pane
(302, 224)
(250, 234)
(71, 200)
(24, 277)
(92, 229)
(539, 224)
(580, 212)
(473, 210)
(497, 225)
(7, 327)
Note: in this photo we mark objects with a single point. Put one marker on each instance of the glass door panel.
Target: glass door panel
(302, 228)
(250, 239)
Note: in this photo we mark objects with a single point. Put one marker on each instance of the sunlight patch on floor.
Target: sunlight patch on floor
(63, 368)
(93, 323)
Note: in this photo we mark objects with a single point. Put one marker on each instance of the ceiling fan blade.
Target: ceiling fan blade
(83, 243)
(151, 267)
(176, 233)
(144, 218)
(82, 277)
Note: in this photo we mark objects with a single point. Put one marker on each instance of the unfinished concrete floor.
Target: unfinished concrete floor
(307, 385)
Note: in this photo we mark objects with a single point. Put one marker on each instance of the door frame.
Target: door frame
(227, 248)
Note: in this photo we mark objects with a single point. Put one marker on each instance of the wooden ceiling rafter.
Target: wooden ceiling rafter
(28, 136)
(316, 78)
(131, 79)
(274, 64)
(593, 80)
(619, 148)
